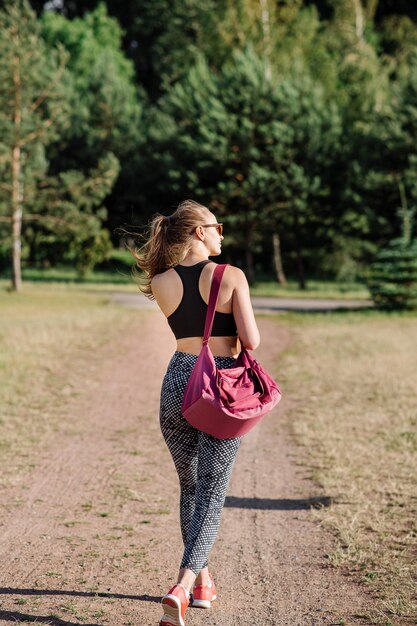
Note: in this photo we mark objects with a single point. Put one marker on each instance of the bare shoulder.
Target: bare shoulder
(235, 276)
(157, 282)
(160, 281)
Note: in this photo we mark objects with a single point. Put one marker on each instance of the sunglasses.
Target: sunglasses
(218, 227)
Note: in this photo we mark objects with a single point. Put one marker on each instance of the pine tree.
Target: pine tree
(253, 148)
(58, 197)
(393, 274)
(32, 107)
(106, 104)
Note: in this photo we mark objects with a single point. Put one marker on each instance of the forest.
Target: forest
(294, 121)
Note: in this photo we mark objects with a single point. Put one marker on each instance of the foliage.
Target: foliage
(32, 108)
(382, 156)
(254, 148)
(71, 229)
(393, 278)
(296, 117)
(105, 109)
(36, 97)
(393, 274)
(37, 115)
(106, 104)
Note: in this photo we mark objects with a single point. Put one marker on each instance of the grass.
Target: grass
(315, 289)
(352, 377)
(116, 275)
(113, 274)
(41, 329)
(69, 275)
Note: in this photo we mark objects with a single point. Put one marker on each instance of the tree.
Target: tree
(334, 204)
(105, 108)
(36, 106)
(106, 104)
(32, 107)
(71, 217)
(393, 274)
(252, 147)
(382, 154)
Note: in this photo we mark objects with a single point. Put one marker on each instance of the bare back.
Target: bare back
(233, 298)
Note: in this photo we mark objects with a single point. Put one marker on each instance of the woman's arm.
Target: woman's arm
(243, 312)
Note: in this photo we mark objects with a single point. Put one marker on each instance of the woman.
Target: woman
(178, 272)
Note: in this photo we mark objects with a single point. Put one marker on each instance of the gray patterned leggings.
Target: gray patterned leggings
(203, 463)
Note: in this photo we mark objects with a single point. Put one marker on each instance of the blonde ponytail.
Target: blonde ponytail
(167, 241)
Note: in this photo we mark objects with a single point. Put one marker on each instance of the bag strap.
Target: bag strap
(213, 298)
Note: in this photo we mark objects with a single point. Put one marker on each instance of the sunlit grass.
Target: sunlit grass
(315, 289)
(116, 272)
(122, 280)
(353, 380)
(68, 275)
(46, 334)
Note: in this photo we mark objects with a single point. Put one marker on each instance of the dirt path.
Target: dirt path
(91, 536)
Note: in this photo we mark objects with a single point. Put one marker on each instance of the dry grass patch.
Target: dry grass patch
(353, 379)
(48, 338)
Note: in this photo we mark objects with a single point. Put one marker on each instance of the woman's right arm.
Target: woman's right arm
(247, 328)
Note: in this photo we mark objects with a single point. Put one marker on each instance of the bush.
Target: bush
(92, 250)
(393, 276)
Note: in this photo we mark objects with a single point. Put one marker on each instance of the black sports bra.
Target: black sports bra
(188, 318)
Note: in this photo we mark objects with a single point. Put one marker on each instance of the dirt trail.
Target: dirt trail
(91, 535)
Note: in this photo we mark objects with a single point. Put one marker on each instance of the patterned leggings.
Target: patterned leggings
(203, 463)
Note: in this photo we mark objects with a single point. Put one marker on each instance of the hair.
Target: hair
(167, 240)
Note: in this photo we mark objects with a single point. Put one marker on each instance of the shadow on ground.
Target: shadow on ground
(80, 594)
(283, 504)
(16, 616)
(53, 620)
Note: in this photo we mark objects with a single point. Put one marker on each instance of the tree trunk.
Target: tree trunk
(16, 179)
(300, 262)
(249, 256)
(300, 268)
(371, 8)
(279, 270)
(16, 219)
(359, 21)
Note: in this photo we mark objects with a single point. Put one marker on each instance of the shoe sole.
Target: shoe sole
(172, 611)
(203, 604)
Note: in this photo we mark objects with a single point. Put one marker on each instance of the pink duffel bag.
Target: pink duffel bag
(229, 402)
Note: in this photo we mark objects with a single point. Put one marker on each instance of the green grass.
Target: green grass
(69, 275)
(115, 271)
(118, 276)
(315, 289)
(72, 285)
(351, 382)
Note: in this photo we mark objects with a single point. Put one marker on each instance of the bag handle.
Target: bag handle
(213, 299)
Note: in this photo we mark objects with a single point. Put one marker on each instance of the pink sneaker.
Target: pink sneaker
(204, 595)
(174, 604)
